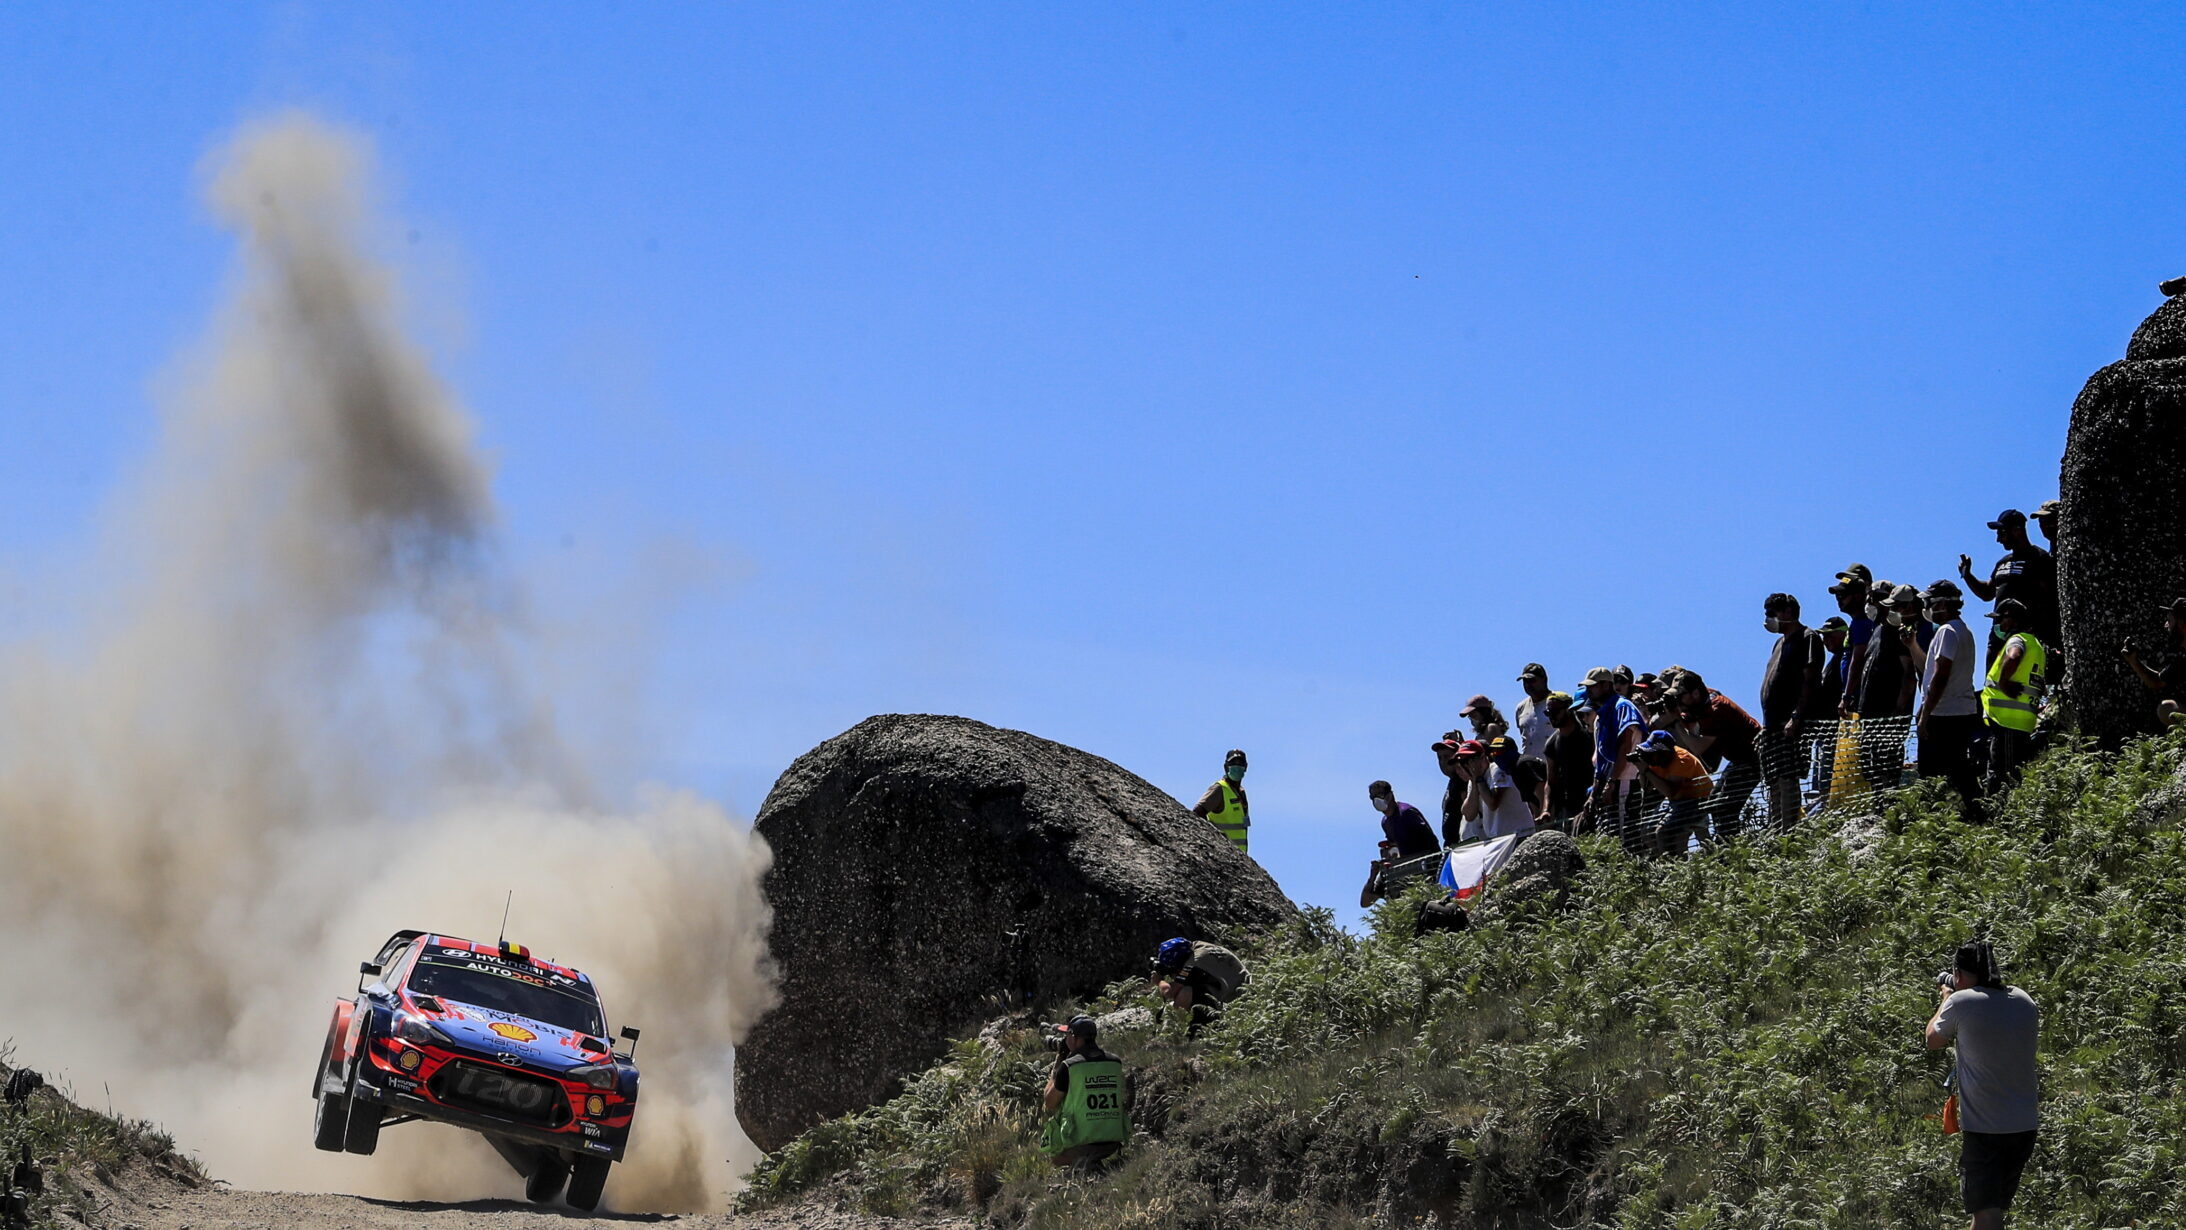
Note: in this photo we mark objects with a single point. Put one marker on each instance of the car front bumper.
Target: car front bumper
(404, 1096)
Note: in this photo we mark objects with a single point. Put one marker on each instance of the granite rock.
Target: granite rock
(930, 872)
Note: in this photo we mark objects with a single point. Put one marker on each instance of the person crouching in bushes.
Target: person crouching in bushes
(1198, 978)
(1086, 1103)
(1683, 783)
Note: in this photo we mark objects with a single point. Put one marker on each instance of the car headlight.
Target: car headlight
(419, 1032)
(599, 1076)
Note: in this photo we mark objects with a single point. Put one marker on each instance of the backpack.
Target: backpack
(1220, 964)
(1441, 915)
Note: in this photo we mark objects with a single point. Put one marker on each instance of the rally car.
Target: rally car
(485, 1037)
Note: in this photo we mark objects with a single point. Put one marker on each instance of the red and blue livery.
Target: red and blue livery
(485, 1037)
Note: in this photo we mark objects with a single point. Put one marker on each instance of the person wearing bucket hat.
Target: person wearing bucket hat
(2168, 684)
(2026, 572)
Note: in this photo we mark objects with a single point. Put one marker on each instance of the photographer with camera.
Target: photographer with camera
(1198, 977)
(1086, 1104)
(1996, 1029)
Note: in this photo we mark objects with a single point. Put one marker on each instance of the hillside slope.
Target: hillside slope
(1729, 1041)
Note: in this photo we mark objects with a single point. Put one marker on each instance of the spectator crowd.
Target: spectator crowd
(1666, 763)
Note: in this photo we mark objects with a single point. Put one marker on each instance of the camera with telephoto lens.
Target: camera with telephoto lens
(1947, 981)
(1053, 1036)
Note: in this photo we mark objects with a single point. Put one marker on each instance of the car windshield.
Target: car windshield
(500, 988)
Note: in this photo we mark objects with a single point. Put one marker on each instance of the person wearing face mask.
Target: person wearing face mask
(1887, 682)
(1788, 686)
(1405, 832)
(1224, 803)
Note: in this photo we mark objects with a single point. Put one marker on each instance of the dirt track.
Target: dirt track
(224, 1209)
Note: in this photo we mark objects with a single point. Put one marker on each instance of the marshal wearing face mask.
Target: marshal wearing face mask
(1224, 804)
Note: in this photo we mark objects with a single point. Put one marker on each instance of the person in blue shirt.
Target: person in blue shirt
(1618, 728)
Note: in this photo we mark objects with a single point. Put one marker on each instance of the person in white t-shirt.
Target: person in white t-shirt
(1534, 723)
(1493, 806)
(1948, 720)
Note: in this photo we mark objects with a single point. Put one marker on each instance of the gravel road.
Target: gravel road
(225, 1209)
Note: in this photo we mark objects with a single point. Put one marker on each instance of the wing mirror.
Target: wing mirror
(369, 969)
(630, 1035)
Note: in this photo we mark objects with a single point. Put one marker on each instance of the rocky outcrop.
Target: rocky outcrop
(1541, 868)
(2122, 534)
(930, 871)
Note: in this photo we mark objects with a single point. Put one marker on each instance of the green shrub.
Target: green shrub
(1728, 1041)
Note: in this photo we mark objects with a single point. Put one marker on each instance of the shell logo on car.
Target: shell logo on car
(514, 1033)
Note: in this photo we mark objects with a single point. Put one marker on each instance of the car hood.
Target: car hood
(498, 1033)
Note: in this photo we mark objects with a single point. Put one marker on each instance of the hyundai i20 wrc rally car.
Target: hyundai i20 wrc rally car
(485, 1037)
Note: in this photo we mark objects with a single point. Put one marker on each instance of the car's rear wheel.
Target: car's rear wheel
(363, 1134)
(545, 1182)
(330, 1122)
(587, 1179)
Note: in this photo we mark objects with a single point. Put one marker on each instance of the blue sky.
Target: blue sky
(1154, 378)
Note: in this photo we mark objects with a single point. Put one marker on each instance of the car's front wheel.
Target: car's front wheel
(363, 1133)
(330, 1122)
(545, 1180)
(587, 1179)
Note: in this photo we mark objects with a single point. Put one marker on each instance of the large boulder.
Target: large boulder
(2122, 534)
(930, 871)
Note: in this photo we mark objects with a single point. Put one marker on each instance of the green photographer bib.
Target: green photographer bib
(1092, 1111)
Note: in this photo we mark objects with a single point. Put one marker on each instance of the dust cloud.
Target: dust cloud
(286, 713)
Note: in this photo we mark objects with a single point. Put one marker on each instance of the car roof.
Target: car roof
(489, 950)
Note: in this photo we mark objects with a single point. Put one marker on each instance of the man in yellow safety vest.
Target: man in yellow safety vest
(1224, 802)
(2011, 700)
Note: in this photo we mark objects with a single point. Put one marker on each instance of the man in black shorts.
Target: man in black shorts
(1996, 1029)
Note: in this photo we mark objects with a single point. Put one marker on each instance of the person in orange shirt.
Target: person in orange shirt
(1684, 783)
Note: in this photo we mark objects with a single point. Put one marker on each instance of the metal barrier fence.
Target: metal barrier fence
(1850, 764)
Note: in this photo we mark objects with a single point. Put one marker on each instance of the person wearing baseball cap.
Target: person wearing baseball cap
(1224, 804)
(1618, 728)
(2168, 684)
(2045, 518)
(1534, 726)
(1851, 592)
(1493, 807)
(2026, 572)
(1948, 721)
(1836, 640)
(1568, 764)
(2011, 700)
(1085, 1097)
(1683, 783)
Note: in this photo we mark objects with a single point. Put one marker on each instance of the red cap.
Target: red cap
(1472, 747)
(1477, 703)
